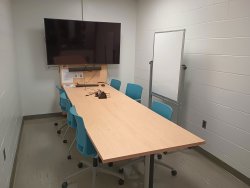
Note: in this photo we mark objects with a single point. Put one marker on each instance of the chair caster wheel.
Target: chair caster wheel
(80, 165)
(55, 124)
(159, 156)
(174, 172)
(165, 153)
(121, 182)
(69, 157)
(59, 132)
(65, 141)
(65, 185)
(99, 159)
(121, 170)
(111, 164)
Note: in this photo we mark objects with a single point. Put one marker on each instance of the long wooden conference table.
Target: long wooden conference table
(121, 128)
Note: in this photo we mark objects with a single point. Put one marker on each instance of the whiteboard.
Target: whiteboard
(168, 50)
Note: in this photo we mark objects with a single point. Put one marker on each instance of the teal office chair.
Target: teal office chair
(86, 149)
(115, 84)
(134, 91)
(60, 90)
(166, 111)
(162, 109)
(64, 108)
(71, 122)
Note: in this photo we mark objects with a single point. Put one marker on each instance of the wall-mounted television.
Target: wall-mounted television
(71, 42)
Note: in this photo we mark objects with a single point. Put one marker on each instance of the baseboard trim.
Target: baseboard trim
(13, 172)
(224, 165)
(41, 116)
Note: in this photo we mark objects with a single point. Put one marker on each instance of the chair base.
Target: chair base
(173, 171)
(70, 148)
(159, 156)
(130, 163)
(61, 121)
(80, 165)
(95, 169)
(65, 185)
(157, 162)
(59, 131)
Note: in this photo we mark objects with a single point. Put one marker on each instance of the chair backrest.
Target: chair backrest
(60, 90)
(63, 96)
(116, 84)
(134, 91)
(83, 143)
(63, 102)
(71, 121)
(162, 109)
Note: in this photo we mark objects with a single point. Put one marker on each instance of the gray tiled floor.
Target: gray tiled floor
(42, 163)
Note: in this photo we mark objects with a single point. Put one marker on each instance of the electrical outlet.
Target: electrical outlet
(4, 155)
(204, 124)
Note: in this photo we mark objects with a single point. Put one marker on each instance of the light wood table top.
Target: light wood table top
(121, 128)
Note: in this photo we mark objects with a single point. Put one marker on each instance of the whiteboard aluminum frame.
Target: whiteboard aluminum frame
(181, 77)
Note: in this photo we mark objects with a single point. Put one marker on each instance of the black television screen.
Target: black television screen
(82, 42)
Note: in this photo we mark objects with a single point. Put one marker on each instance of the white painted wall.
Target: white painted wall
(125, 13)
(10, 111)
(217, 80)
(38, 93)
(216, 52)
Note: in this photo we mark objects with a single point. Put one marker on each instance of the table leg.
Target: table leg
(149, 172)
(146, 171)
